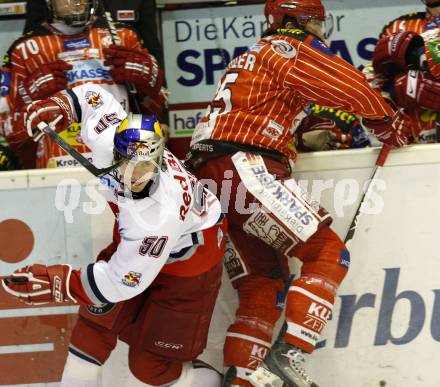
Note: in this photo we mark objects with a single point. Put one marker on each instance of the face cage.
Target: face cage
(120, 159)
(327, 23)
(76, 20)
(147, 176)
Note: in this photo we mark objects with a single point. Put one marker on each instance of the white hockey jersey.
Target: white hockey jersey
(154, 230)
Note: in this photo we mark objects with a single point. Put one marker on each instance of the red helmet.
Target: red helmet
(301, 10)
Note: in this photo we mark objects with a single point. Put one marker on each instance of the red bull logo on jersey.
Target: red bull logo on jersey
(138, 149)
(132, 279)
(94, 99)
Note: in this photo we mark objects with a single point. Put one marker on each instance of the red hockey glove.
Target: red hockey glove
(55, 111)
(40, 284)
(43, 82)
(318, 134)
(134, 66)
(416, 89)
(393, 130)
(157, 105)
(392, 53)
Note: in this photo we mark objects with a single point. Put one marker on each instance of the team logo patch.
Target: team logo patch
(132, 279)
(99, 310)
(138, 149)
(273, 130)
(94, 99)
(283, 48)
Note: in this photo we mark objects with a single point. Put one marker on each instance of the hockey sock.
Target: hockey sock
(79, 373)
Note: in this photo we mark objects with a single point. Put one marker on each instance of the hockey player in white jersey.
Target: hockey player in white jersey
(157, 287)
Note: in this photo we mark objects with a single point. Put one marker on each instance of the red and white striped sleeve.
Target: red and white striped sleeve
(328, 80)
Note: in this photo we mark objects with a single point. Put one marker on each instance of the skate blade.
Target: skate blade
(262, 377)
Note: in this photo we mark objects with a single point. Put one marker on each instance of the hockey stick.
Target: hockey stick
(131, 88)
(98, 172)
(383, 154)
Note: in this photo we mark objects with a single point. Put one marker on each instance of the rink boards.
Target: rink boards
(386, 323)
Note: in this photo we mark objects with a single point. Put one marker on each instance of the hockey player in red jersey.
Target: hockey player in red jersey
(406, 68)
(71, 48)
(155, 288)
(244, 144)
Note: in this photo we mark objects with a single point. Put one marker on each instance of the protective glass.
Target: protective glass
(328, 26)
(321, 27)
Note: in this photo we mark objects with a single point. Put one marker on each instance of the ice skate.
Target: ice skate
(283, 366)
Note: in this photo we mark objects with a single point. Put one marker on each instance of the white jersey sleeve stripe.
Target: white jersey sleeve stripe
(75, 105)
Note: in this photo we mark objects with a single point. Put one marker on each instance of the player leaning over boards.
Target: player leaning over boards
(159, 287)
(406, 64)
(244, 140)
(74, 46)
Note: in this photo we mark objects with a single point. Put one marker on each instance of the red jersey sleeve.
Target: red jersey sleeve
(325, 79)
(18, 71)
(414, 22)
(129, 38)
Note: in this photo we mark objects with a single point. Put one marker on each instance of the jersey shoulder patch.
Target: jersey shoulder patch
(305, 37)
(321, 46)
